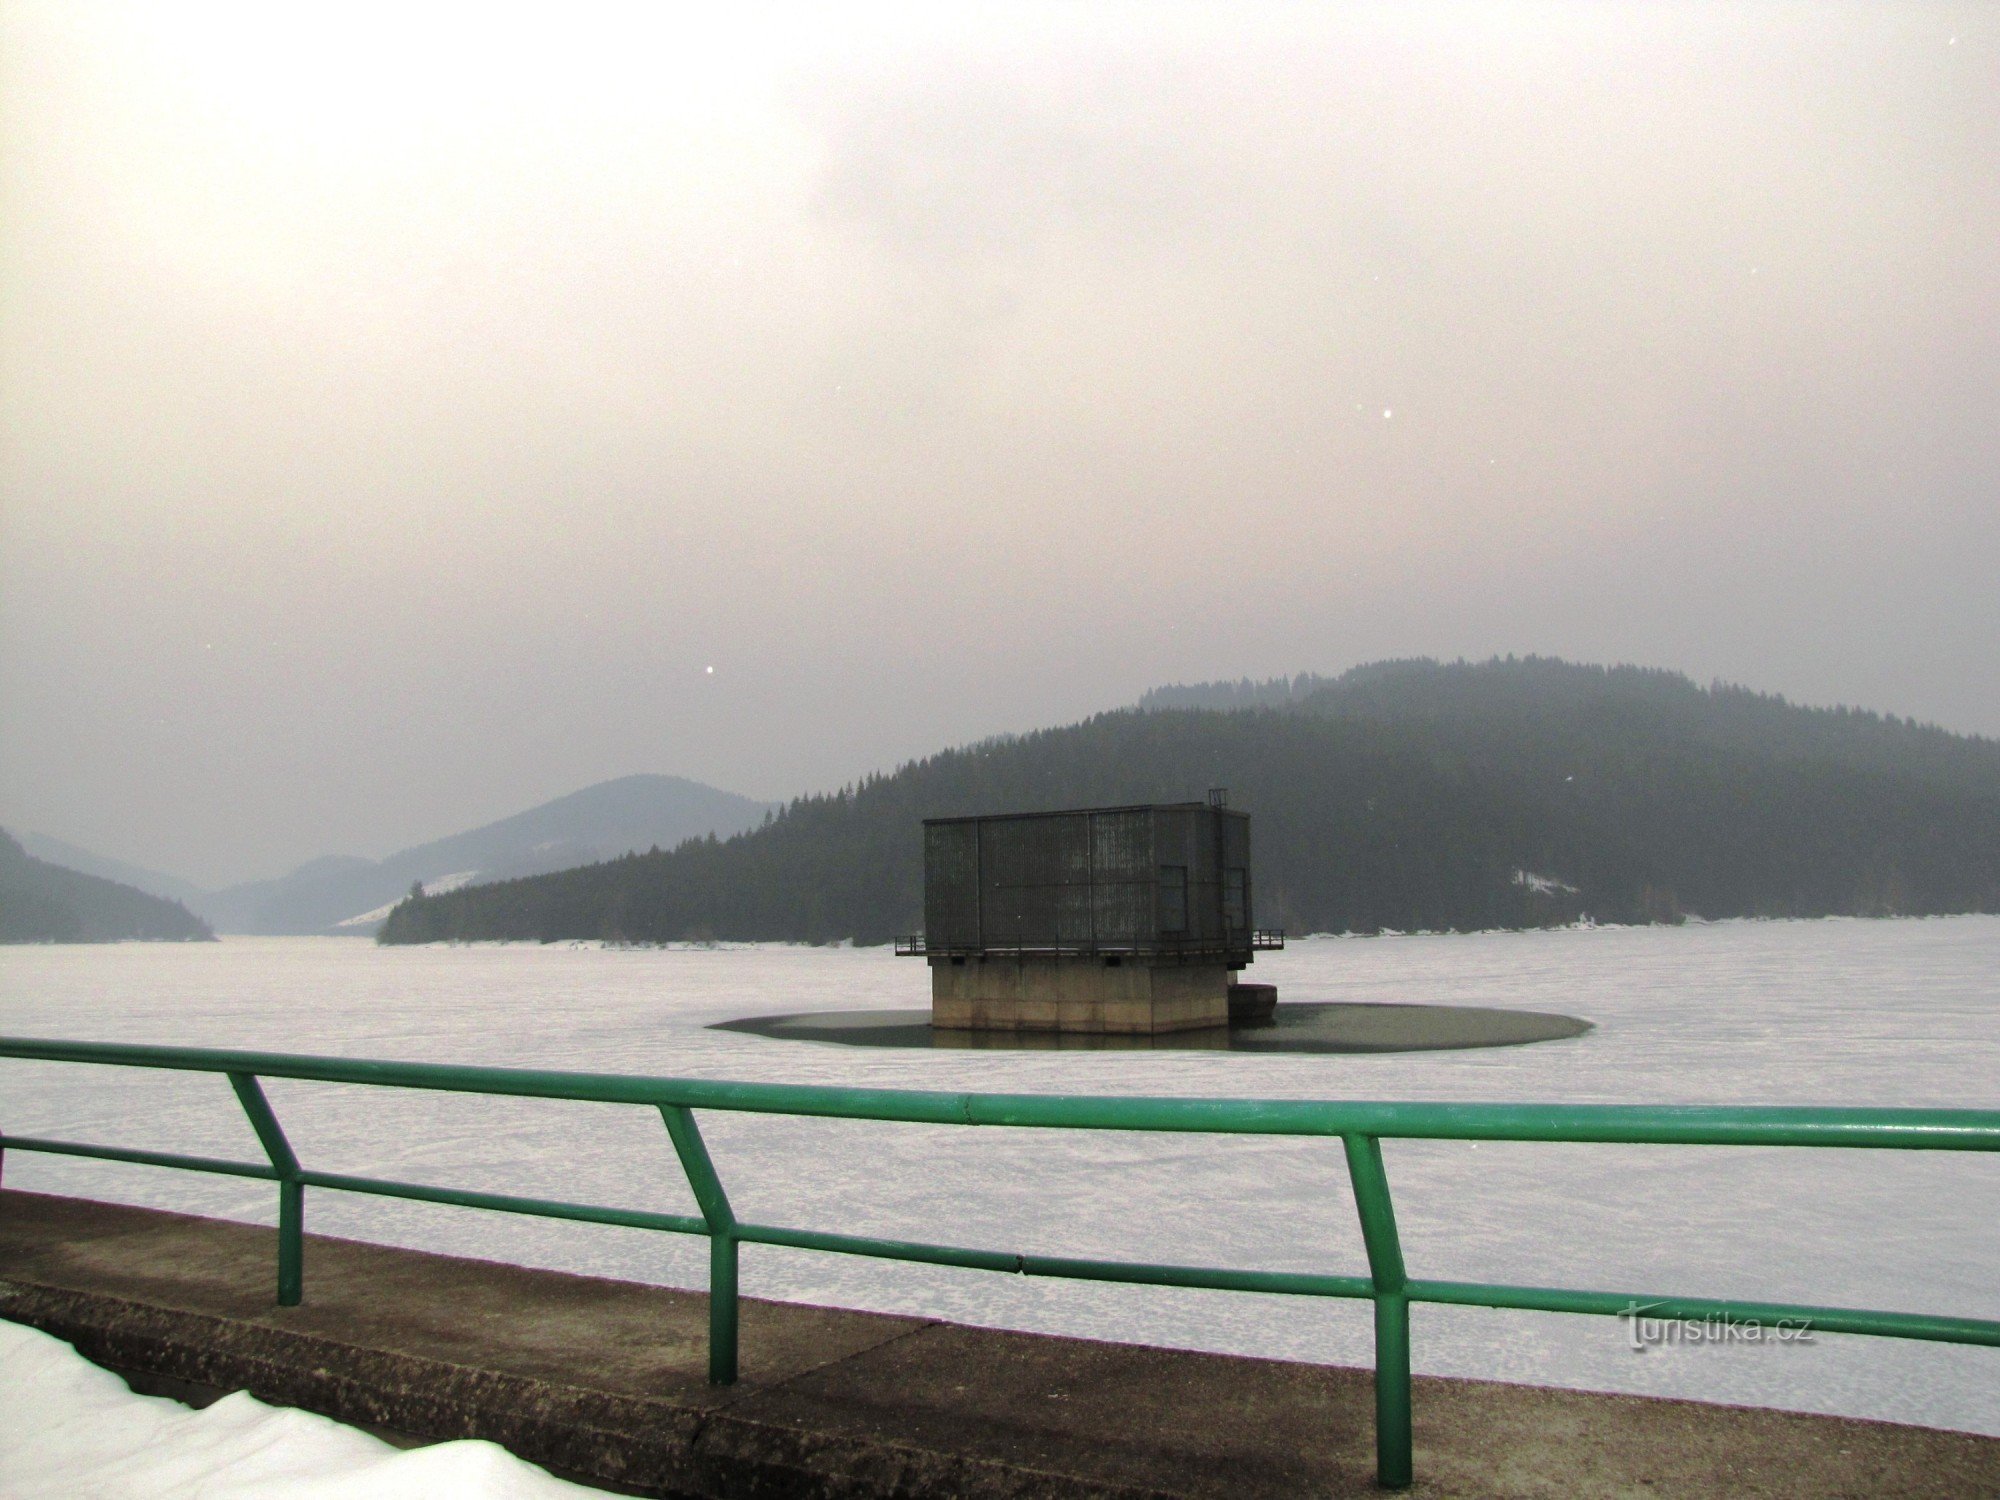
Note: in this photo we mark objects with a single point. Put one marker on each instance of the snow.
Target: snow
(72, 1431)
(379, 914)
(1543, 885)
(1835, 1012)
(436, 887)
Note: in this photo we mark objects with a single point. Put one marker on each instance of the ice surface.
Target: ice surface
(71, 1431)
(1835, 1012)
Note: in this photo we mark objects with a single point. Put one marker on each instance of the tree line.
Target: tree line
(1405, 795)
(45, 903)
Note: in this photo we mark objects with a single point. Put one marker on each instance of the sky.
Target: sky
(412, 413)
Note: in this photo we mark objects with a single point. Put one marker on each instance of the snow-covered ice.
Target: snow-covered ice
(1833, 1012)
(72, 1431)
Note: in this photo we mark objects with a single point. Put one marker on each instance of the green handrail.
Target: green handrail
(1361, 1127)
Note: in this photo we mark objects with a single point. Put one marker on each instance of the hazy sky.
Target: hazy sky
(405, 409)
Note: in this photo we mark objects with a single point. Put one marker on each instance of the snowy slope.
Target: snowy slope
(600, 822)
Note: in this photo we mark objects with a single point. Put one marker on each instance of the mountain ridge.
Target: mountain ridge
(88, 862)
(337, 893)
(1411, 794)
(42, 902)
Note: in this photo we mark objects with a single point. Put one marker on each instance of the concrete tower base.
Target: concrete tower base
(1077, 994)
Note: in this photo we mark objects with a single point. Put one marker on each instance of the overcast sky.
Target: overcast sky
(412, 415)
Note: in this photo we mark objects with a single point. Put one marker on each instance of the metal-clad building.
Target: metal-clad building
(1162, 883)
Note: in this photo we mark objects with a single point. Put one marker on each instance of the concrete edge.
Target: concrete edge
(633, 1445)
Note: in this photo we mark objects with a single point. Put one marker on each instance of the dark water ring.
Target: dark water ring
(1311, 1026)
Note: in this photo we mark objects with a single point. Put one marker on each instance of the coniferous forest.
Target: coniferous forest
(1403, 795)
(45, 903)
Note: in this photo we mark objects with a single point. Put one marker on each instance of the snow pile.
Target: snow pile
(72, 1431)
(1543, 885)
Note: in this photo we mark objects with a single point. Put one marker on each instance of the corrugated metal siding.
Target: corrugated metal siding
(951, 884)
(1121, 851)
(1085, 881)
(1238, 916)
(1034, 888)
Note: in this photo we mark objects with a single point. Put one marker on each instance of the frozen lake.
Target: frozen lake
(1835, 1012)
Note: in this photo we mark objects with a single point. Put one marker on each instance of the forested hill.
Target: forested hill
(1403, 795)
(45, 903)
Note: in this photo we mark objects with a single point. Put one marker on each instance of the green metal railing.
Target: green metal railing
(1360, 1126)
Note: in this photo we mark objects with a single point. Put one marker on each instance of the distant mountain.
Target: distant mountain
(70, 857)
(45, 903)
(1401, 795)
(343, 894)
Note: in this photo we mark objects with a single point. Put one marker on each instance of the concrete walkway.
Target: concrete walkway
(604, 1381)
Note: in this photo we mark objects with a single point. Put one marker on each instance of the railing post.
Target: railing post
(291, 1192)
(722, 1243)
(1393, 1461)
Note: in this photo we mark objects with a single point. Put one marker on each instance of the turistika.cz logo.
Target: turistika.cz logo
(1643, 1332)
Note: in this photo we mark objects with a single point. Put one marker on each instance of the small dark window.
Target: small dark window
(1235, 899)
(1173, 900)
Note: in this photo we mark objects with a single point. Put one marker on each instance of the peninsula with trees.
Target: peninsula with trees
(1406, 795)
